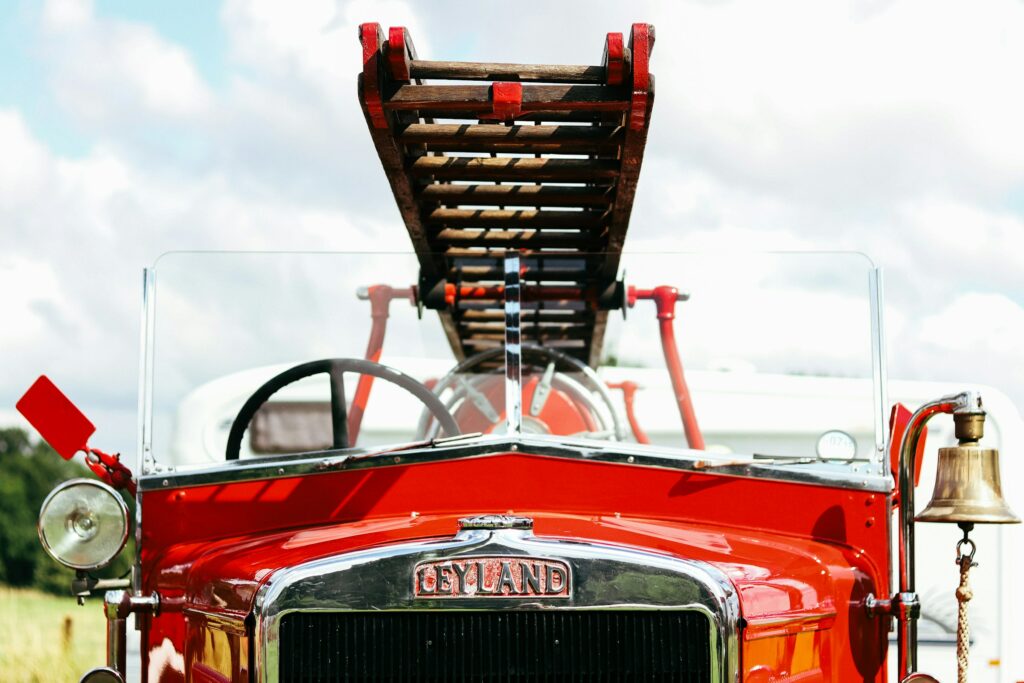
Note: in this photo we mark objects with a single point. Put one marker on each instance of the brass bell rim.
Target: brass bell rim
(956, 514)
(968, 488)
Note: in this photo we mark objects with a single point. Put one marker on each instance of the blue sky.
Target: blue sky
(193, 24)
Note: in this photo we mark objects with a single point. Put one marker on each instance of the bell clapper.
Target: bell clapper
(963, 595)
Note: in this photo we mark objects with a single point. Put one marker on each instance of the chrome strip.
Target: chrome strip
(823, 474)
(143, 458)
(379, 579)
(879, 373)
(146, 463)
(513, 349)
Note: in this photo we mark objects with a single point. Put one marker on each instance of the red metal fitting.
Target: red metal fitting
(372, 38)
(614, 59)
(664, 298)
(506, 100)
(399, 52)
(109, 468)
(381, 296)
(641, 43)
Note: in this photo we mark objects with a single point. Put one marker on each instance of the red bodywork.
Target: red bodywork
(802, 557)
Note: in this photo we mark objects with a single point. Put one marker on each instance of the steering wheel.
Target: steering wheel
(582, 391)
(335, 369)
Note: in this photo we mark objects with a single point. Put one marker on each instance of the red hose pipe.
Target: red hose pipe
(665, 298)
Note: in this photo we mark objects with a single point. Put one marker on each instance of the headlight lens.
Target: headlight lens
(83, 524)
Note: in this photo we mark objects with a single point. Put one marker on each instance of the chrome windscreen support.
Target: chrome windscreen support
(144, 462)
(878, 367)
(905, 605)
(513, 346)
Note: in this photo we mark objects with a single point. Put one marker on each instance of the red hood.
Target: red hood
(778, 580)
(801, 557)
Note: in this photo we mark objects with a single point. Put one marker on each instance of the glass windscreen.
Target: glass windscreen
(262, 355)
(226, 324)
(775, 352)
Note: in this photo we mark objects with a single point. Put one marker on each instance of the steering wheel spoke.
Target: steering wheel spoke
(339, 412)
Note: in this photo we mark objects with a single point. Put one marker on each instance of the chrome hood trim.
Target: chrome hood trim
(856, 475)
(381, 579)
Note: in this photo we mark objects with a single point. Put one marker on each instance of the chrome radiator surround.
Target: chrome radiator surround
(381, 579)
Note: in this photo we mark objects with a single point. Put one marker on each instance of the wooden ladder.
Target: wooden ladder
(540, 159)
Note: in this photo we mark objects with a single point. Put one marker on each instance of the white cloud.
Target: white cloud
(975, 338)
(112, 73)
(312, 41)
(891, 128)
(974, 321)
(816, 102)
(24, 163)
(24, 320)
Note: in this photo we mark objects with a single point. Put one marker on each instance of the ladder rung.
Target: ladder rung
(530, 258)
(496, 71)
(498, 138)
(538, 239)
(549, 331)
(521, 218)
(552, 116)
(551, 314)
(512, 168)
(537, 261)
(515, 195)
(492, 341)
(477, 98)
(496, 274)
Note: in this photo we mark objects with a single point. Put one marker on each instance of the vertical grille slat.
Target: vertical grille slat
(638, 645)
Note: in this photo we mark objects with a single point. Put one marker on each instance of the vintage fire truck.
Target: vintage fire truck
(486, 503)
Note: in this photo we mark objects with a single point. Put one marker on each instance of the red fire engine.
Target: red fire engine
(503, 514)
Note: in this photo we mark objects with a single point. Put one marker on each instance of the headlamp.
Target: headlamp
(83, 524)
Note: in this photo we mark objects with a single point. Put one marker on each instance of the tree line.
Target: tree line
(29, 469)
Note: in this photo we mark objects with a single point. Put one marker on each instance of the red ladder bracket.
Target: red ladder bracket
(372, 38)
(400, 52)
(614, 59)
(641, 43)
(506, 101)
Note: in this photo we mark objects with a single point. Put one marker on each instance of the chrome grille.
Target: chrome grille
(579, 645)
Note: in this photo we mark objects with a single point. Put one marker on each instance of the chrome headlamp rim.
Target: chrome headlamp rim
(102, 674)
(79, 481)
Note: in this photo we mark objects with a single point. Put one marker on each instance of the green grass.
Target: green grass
(33, 645)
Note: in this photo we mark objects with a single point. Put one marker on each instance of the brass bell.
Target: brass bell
(967, 486)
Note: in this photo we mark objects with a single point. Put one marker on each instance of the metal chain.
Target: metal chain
(963, 596)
